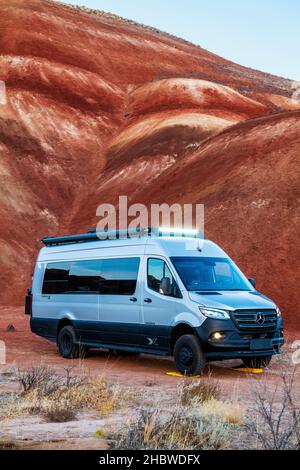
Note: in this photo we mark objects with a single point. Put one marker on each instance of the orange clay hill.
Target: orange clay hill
(98, 106)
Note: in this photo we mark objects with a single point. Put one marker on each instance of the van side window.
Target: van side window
(84, 276)
(105, 276)
(160, 279)
(119, 276)
(56, 278)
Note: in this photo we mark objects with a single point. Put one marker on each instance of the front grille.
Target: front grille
(255, 320)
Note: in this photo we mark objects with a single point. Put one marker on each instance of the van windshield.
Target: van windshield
(209, 274)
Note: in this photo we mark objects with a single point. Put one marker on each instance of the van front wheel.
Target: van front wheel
(66, 343)
(188, 355)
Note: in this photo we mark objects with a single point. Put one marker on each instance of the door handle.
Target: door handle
(147, 300)
(45, 296)
(133, 299)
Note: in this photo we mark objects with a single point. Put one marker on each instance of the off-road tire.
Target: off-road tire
(188, 355)
(66, 342)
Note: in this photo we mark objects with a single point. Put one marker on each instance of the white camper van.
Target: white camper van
(159, 292)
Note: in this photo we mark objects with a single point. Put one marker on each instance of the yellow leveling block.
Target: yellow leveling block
(178, 374)
(248, 370)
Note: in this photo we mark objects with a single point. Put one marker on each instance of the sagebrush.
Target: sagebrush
(59, 397)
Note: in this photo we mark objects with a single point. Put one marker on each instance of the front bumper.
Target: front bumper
(236, 343)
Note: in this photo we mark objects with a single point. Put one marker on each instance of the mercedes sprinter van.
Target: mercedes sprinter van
(155, 293)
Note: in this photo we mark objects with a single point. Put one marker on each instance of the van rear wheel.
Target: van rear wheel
(257, 362)
(66, 343)
(188, 355)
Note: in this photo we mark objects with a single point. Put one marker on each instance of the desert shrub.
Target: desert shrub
(59, 412)
(90, 395)
(203, 389)
(275, 416)
(8, 445)
(97, 394)
(37, 377)
(46, 393)
(46, 381)
(180, 430)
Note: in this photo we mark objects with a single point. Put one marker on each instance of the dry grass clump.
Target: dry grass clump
(199, 421)
(59, 397)
(201, 390)
(229, 411)
(59, 412)
(181, 430)
(96, 394)
(8, 445)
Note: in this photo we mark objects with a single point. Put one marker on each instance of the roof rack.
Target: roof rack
(94, 235)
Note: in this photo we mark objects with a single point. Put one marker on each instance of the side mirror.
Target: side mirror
(165, 286)
(252, 281)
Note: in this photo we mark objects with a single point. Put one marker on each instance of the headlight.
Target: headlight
(278, 312)
(214, 313)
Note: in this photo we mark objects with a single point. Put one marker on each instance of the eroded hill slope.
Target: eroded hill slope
(98, 106)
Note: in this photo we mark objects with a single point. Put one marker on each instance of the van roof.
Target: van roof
(153, 245)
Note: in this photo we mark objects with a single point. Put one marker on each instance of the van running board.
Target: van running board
(141, 350)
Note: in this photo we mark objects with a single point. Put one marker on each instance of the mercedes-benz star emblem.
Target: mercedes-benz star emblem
(260, 318)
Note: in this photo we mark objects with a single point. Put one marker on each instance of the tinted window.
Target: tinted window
(84, 276)
(157, 271)
(56, 278)
(119, 276)
(107, 276)
(201, 273)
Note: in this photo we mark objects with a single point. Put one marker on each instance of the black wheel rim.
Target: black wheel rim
(186, 356)
(66, 343)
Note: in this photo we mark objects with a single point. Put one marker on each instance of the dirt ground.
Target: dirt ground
(144, 375)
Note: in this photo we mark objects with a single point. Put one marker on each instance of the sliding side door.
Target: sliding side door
(120, 301)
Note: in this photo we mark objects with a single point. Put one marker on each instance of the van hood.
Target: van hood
(232, 300)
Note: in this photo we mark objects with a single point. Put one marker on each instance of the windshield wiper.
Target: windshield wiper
(219, 290)
(244, 290)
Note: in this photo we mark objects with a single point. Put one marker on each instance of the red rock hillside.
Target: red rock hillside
(98, 106)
